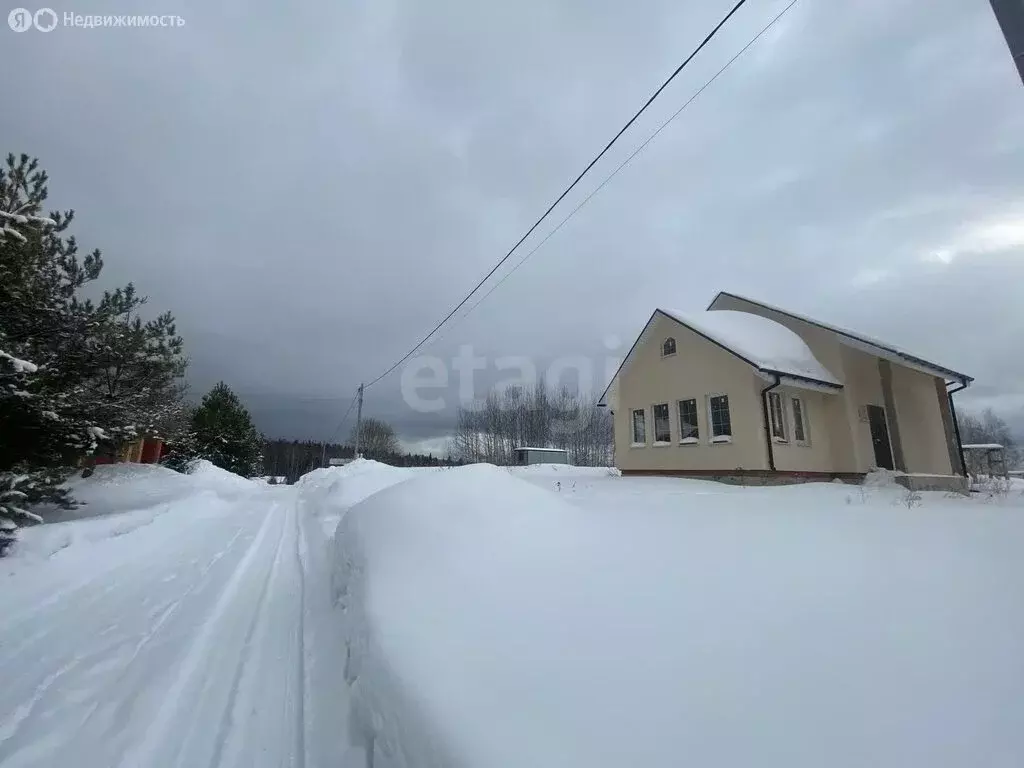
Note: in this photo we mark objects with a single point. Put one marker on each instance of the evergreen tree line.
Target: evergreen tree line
(291, 459)
(81, 377)
(538, 417)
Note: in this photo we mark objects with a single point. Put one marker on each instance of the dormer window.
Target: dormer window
(668, 347)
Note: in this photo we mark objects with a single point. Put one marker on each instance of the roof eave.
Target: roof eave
(601, 400)
(821, 383)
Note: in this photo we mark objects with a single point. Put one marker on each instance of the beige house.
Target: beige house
(747, 390)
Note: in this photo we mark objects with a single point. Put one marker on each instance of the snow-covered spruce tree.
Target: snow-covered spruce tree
(180, 445)
(42, 330)
(70, 370)
(134, 384)
(223, 433)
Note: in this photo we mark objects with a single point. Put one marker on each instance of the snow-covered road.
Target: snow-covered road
(468, 618)
(182, 642)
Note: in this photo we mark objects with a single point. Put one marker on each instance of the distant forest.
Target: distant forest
(293, 458)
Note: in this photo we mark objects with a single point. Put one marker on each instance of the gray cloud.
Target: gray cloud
(309, 189)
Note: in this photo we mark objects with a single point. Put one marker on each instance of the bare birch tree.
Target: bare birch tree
(537, 417)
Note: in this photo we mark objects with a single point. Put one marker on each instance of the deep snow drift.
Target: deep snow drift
(651, 622)
(326, 493)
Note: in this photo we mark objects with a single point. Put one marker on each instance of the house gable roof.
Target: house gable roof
(765, 345)
(850, 338)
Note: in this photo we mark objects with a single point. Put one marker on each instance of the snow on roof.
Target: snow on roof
(534, 448)
(879, 347)
(983, 447)
(763, 343)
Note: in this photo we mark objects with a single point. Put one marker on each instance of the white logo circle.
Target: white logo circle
(20, 19)
(45, 19)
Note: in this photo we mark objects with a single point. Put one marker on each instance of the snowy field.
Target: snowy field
(543, 616)
(587, 620)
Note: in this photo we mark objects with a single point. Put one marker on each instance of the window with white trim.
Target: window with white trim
(777, 416)
(668, 347)
(662, 433)
(688, 430)
(719, 418)
(799, 420)
(639, 427)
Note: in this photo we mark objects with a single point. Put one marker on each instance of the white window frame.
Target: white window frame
(632, 427)
(692, 439)
(805, 423)
(675, 346)
(712, 438)
(653, 424)
(782, 423)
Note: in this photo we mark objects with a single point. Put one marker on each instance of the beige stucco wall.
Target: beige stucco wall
(862, 385)
(920, 418)
(816, 455)
(698, 369)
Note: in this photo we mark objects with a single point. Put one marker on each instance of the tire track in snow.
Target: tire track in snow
(173, 665)
(228, 716)
(158, 738)
(36, 604)
(266, 714)
(164, 615)
(11, 725)
(85, 607)
(301, 550)
(86, 661)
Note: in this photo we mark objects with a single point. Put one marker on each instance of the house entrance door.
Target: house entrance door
(880, 437)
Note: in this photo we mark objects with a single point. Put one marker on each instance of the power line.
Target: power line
(344, 418)
(626, 162)
(568, 189)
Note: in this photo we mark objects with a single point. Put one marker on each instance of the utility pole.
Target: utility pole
(1010, 14)
(359, 419)
(323, 455)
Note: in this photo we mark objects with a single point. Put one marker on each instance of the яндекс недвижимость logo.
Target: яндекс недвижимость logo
(22, 19)
(46, 19)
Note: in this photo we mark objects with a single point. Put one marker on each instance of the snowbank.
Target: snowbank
(209, 476)
(121, 487)
(327, 492)
(44, 541)
(114, 488)
(492, 623)
(120, 498)
(341, 487)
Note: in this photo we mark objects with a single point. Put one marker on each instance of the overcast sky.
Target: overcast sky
(310, 187)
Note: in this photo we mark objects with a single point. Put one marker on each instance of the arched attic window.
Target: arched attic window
(668, 347)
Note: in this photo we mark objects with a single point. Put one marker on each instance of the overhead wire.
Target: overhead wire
(344, 418)
(626, 162)
(739, 4)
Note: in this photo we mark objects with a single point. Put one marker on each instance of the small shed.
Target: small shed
(528, 455)
(338, 462)
(985, 458)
